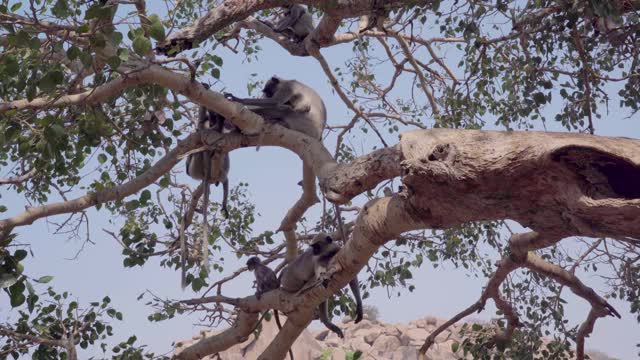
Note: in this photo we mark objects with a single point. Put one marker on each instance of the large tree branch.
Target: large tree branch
(554, 185)
(144, 73)
(231, 11)
(307, 200)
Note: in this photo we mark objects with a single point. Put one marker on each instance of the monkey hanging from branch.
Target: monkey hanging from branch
(209, 167)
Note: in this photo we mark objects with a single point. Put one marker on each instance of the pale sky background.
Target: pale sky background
(272, 175)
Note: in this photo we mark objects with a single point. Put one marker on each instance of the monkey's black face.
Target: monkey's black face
(318, 247)
(252, 262)
(270, 87)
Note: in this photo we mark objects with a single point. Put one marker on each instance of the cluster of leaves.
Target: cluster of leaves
(53, 318)
(480, 343)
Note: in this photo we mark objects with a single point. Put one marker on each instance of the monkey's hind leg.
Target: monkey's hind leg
(324, 318)
(355, 289)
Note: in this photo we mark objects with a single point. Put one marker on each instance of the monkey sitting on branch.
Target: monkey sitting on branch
(290, 103)
(296, 22)
(309, 267)
(266, 280)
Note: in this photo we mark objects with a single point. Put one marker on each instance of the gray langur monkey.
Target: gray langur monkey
(210, 167)
(309, 266)
(376, 19)
(266, 280)
(296, 22)
(290, 102)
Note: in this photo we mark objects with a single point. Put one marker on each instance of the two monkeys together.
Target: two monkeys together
(300, 108)
(306, 269)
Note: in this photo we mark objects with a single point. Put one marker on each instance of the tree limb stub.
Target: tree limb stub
(571, 184)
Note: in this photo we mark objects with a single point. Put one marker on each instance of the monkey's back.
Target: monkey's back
(298, 272)
(219, 170)
(317, 112)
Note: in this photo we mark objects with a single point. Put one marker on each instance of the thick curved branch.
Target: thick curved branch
(231, 11)
(99, 197)
(242, 328)
(307, 200)
(248, 122)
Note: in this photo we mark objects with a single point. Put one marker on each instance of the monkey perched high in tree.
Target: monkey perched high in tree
(296, 22)
(292, 103)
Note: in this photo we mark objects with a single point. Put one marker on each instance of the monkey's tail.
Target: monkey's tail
(275, 314)
(183, 255)
(205, 211)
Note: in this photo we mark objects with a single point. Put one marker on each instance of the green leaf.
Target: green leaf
(32, 300)
(215, 72)
(60, 9)
(539, 98)
(50, 80)
(217, 60)
(145, 196)
(141, 45)
(17, 299)
(12, 68)
(156, 30)
(123, 54)
(455, 346)
(86, 58)
(102, 158)
(16, 7)
(165, 181)
(114, 62)
(73, 52)
(20, 254)
(44, 279)
(3, 208)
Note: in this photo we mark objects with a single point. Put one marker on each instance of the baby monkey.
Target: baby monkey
(266, 280)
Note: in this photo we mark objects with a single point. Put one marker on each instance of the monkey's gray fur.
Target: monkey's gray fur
(266, 280)
(296, 22)
(291, 102)
(216, 165)
(308, 266)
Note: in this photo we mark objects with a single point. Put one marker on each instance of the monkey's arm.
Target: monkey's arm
(272, 112)
(271, 101)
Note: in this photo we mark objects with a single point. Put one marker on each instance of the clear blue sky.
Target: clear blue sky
(442, 292)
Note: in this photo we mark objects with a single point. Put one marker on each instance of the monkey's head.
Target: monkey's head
(271, 86)
(320, 243)
(253, 262)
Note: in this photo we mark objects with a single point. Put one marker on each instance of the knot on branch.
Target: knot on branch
(440, 152)
(600, 174)
(174, 47)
